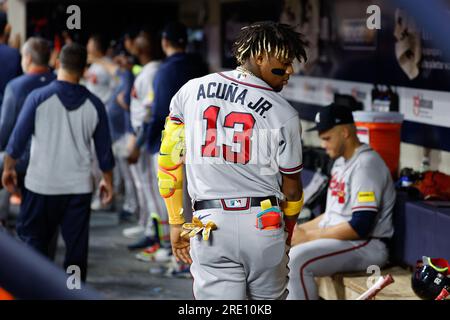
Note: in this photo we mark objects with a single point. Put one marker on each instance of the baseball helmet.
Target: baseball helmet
(430, 277)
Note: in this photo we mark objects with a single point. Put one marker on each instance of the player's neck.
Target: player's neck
(68, 76)
(350, 148)
(35, 69)
(252, 69)
(171, 51)
(143, 60)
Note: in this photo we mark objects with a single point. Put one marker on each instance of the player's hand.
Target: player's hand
(299, 236)
(106, 192)
(134, 155)
(9, 181)
(180, 245)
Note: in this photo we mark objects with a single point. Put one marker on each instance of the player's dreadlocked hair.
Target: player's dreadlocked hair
(278, 39)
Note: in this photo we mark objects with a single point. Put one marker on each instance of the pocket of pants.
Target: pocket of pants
(269, 220)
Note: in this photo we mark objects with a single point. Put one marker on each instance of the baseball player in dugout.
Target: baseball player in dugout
(354, 231)
(239, 141)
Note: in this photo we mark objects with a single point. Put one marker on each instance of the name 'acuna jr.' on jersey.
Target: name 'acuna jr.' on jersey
(239, 133)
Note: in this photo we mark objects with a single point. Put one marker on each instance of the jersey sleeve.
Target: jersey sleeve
(102, 138)
(366, 187)
(176, 107)
(147, 93)
(24, 128)
(290, 147)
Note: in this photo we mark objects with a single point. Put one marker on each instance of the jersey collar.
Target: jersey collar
(38, 70)
(362, 148)
(245, 79)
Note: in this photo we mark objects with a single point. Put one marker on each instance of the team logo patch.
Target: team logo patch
(366, 196)
(236, 203)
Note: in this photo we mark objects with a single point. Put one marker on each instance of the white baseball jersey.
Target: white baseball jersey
(240, 134)
(100, 82)
(363, 183)
(142, 94)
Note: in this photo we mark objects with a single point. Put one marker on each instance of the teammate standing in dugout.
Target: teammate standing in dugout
(240, 143)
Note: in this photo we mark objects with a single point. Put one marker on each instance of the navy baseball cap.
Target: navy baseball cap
(332, 115)
(175, 32)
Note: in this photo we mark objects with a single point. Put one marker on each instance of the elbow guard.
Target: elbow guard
(170, 173)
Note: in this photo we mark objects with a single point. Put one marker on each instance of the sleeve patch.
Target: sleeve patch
(366, 196)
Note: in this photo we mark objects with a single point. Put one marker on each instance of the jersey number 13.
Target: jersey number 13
(210, 147)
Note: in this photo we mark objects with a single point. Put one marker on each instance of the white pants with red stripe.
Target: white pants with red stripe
(325, 257)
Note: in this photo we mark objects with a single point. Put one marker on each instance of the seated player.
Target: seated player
(353, 232)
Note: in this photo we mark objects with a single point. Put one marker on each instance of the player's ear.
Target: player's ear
(346, 131)
(259, 59)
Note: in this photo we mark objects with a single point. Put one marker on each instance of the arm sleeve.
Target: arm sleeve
(290, 147)
(8, 116)
(102, 138)
(24, 127)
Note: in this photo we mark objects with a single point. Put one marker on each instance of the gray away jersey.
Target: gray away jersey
(100, 82)
(240, 135)
(363, 183)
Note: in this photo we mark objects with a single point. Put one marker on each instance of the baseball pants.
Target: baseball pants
(139, 173)
(157, 202)
(325, 257)
(40, 216)
(130, 203)
(239, 261)
(150, 202)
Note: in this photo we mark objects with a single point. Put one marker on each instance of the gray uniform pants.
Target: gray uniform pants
(144, 174)
(157, 204)
(239, 261)
(139, 174)
(122, 173)
(325, 257)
